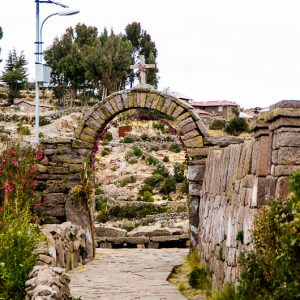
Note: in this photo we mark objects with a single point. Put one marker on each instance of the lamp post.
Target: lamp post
(39, 67)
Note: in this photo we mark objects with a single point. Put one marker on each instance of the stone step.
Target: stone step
(155, 242)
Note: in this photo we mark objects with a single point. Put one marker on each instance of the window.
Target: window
(220, 108)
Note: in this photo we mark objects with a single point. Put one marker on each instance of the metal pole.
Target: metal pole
(37, 61)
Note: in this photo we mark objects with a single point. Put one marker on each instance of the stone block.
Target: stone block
(79, 144)
(75, 168)
(109, 231)
(289, 137)
(188, 127)
(92, 123)
(264, 156)
(197, 152)
(258, 197)
(114, 105)
(166, 105)
(153, 245)
(186, 121)
(289, 156)
(196, 173)
(177, 111)
(191, 134)
(87, 138)
(195, 142)
(282, 187)
(183, 116)
(119, 102)
(202, 128)
(284, 122)
(90, 132)
(194, 189)
(171, 109)
(283, 170)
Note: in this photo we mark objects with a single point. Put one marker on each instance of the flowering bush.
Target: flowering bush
(18, 235)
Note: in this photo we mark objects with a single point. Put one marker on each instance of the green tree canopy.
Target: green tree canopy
(15, 74)
(1, 36)
(142, 45)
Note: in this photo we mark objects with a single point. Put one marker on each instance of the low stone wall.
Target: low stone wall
(228, 188)
(65, 248)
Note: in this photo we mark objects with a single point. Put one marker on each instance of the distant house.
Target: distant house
(27, 106)
(221, 108)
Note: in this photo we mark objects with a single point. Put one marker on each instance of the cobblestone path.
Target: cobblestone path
(128, 274)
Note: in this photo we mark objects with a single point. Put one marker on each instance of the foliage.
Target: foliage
(127, 139)
(150, 160)
(1, 35)
(166, 158)
(168, 186)
(159, 126)
(18, 237)
(179, 172)
(272, 271)
(161, 170)
(142, 45)
(137, 151)
(105, 152)
(108, 136)
(23, 130)
(185, 186)
(217, 125)
(175, 148)
(154, 180)
(199, 279)
(145, 188)
(227, 292)
(236, 126)
(14, 74)
(147, 196)
(99, 191)
(125, 181)
(127, 225)
(240, 236)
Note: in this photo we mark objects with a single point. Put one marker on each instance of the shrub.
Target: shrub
(217, 125)
(159, 126)
(175, 148)
(185, 186)
(127, 139)
(108, 136)
(145, 188)
(137, 151)
(23, 130)
(147, 197)
(168, 186)
(127, 225)
(17, 257)
(179, 172)
(199, 279)
(272, 271)
(154, 180)
(236, 126)
(125, 181)
(166, 158)
(144, 137)
(99, 191)
(105, 152)
(227, 292)
(161, 170)
(150, 160)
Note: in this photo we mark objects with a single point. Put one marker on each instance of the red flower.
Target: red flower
(12, 152)
(14, 162)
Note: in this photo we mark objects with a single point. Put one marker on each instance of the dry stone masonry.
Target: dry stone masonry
(237, 181)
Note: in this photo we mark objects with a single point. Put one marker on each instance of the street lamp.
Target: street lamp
(40, 68)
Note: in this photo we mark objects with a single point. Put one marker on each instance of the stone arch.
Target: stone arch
(65, 158)
(96, 119)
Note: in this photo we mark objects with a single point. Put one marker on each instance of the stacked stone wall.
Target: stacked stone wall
(237, 181)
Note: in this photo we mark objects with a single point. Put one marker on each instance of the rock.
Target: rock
(109, 231)
(149, 231)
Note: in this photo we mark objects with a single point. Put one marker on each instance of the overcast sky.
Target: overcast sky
(246, 51)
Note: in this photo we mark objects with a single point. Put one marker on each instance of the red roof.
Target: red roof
(214, 103)
(201, 112)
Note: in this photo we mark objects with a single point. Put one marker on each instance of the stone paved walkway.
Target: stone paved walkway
(128, 274)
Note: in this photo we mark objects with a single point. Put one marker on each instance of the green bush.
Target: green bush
(23, 130)
(272, 271)
(150, 160)
(99, 191)
(17, 258)
(236, 126)
(199, 278)
(108, 136)
(168, 186)
(227, 292)
(145, 188)
(127, 225)
(217, 125)
(159, 126)
(127, 139)
(147, 197)
(125, 181)
(175, 148)
(105, 152)
(161, 170)
(137, 151)
(179, 172)
(145, 137)
(185, 186)
(166, 158)
(154, 180)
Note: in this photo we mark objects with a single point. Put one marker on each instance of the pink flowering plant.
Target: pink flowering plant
(18, 235)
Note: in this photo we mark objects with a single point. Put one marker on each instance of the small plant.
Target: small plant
(159, 126)
(108, 136)
(199, 279)
(127, 139)
(144, 137)
(175, 148)
(217, 125)
(105, 152)
(41, 135)
(137, 151)
(150, 160)
(24, 130)
(147, 197)
(227, 292)
(127, 225)
(236, 126)
(99, 191)
(179, 172)
(125, 181)
(161, 170)
(185, 186)
(145, 188)
(154, 180)
(166, 158)
(168, 186)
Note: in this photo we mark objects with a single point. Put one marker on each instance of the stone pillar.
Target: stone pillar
(195, 177)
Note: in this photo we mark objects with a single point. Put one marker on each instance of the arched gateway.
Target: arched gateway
(66, 160)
